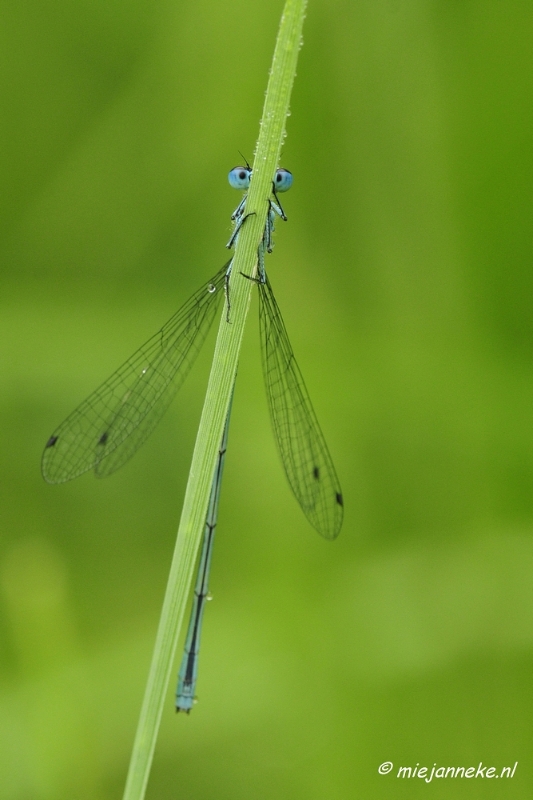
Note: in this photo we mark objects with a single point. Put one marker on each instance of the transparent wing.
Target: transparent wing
(113, 422)
(304, 453)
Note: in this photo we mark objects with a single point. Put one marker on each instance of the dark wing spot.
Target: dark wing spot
(316, 473)
(51, 441)
(103, 438)
(242, 175)
(338, 498)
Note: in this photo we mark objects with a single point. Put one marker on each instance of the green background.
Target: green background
(405, 277)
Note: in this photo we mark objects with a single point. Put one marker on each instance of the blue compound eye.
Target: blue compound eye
(282, 180)
(239, 177)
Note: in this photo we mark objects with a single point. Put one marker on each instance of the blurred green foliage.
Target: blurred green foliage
(405, 277)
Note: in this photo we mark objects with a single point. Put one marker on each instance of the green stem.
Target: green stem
(218, 395)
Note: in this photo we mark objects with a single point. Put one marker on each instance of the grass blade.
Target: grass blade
(218, 396)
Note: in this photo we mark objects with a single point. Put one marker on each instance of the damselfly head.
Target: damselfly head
(239, 177)
(282, 180)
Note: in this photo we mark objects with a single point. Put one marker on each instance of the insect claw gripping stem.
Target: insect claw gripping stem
(239, 224)
(233, 239)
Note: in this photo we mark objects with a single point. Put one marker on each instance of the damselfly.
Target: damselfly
(112, 423)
